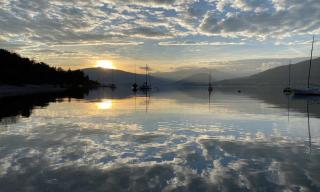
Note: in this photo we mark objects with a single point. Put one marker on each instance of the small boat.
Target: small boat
(112, 86)
(134, 86)
(288, 90)
(146, 86)
(309, 90)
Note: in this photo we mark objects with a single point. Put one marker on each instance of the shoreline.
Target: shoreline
(13, 90)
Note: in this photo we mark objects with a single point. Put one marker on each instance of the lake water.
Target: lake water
(182, 140)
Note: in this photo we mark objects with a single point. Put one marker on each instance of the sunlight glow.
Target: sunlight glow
(104, 104)
(106, 64)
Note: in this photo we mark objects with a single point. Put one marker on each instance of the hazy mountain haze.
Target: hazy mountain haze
(120, 77)
(279, 76)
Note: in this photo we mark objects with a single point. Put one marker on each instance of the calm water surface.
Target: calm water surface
(166, 141)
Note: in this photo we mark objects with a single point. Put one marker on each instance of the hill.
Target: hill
(17, 70)
(279, 76)
(197, 79)
(104, 76)
(188, 74)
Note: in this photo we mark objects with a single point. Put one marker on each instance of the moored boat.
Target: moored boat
(288, 90)
(309, 90)
(146, 86)
(134, 86)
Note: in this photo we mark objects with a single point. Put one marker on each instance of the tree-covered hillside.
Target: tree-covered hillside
(17, 70)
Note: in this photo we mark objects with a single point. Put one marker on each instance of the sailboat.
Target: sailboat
(135, 85)
(308, 90)
(288, 90)
(146, 86)
(210, 88)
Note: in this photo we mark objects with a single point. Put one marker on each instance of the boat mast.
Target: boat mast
(135, 74)
(289, 74)
(310, 62)
(149, 79)
(112, 80)
(146, 75)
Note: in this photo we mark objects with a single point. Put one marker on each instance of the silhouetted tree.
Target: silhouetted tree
(18, 70)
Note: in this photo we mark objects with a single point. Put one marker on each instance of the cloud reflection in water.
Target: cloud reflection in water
(174, 148)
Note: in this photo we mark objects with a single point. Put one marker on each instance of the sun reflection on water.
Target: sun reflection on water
(104, 104)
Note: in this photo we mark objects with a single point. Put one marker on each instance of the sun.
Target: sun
(106, 64)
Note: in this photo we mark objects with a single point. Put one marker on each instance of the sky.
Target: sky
(230, 35)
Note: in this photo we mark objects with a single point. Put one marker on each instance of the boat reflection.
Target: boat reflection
(147, 100)
(309, 131)
(307, 100)
(209, 102)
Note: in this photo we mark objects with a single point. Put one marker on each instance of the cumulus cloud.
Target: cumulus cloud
(263, 18)
(147, 32)
(54, 21)
(194, 43)
(73, 23)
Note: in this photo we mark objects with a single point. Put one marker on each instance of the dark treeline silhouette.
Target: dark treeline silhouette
(17, 70)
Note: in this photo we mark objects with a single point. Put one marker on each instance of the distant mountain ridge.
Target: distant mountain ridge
(189, 77)
(187, 74)
(105, 76)
(197, 79)
(279, 76)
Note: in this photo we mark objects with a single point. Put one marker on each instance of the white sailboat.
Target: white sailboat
(309, 90)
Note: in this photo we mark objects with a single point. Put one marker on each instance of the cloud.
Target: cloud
(58, 21)
(66, 19)
(98, 43)
(194, 43)
(147, 67)
(146, 3)
(147, 32)
(80, 24)
(264, 20)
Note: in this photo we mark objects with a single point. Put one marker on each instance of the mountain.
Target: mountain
(279, 76)
(104, 76)
(197, 79)
(191, 73)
